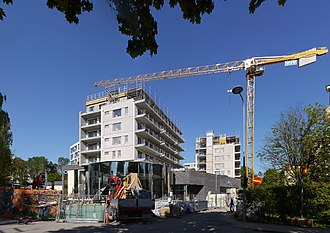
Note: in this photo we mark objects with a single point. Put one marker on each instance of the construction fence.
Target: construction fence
(78, 208)
(32, 203)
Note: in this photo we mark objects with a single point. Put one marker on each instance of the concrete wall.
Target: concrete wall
(209, 182)
(109, 151)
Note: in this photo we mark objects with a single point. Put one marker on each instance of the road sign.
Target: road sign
(257, 180)
(307, 60)
(291, 63)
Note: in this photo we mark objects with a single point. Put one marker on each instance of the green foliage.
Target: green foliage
(254, 4)
(2, 13)
(5, 143)
(36, 165)
(276, 203)
(272, 178)
(317, 203)
(62, 161)
(135, 19)
(71, 8)
(19, 171)
(299, 138)
(54, 177)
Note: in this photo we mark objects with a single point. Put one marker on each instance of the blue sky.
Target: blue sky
(48, 67)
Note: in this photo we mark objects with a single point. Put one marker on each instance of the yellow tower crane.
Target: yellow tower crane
(253, 67)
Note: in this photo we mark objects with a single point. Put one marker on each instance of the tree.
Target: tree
(37, 165)
(5, 143)
(299, 138)
(272, 178)
(19, 171)
(135, 19)
(54, 177)
(62, 161)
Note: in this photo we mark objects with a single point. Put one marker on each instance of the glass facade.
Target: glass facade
(154, 177)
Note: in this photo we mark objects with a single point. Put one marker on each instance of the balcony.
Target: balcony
(237, 172)
(91, 139)
(178, 147)
(91, 124)
(91, 149)
(91, 114)
(161, 117)
(90, 159)
(148, 148)
(167, 136)
(200, 155)
(169, 148)
(146, 119)
(201, 162)
(146, 133)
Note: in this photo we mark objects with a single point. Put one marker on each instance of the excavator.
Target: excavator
(127, 199)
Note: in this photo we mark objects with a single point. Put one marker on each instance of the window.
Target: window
(217, 150)
(119, 154)
(93, 134)
(116, 113)
(106, 113)
(116, 126)
(217, 166)
(217, 158)
(113, 154)
(106, 126)
(116, 140)
(106, 152)
(91, 108)
(106, 139)
(126, 139)
(140, 155)
(126, 111)
(92, 121)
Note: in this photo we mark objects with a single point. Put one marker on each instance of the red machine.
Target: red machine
(127, 199)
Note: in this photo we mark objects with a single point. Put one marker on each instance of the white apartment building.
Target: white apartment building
(125, 130)
(74, 153)
(189, 166)
(218, 155)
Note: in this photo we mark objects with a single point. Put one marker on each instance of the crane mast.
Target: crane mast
(253, 67)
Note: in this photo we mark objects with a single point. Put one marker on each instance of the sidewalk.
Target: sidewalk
(6, 221)
(261, 227)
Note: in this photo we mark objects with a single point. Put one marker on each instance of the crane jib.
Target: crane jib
(304, 58)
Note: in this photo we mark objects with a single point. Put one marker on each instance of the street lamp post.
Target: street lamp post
(327, 88)
(237, 91)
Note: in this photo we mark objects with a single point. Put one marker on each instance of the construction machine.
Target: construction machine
(127, 199)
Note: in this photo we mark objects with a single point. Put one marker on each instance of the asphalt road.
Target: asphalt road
(206, 221)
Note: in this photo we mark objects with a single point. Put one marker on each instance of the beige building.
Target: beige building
(122, 131)
(218, 155)
(128, 125)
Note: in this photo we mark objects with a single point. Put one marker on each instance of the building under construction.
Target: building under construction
(126, 130)
(218, 155)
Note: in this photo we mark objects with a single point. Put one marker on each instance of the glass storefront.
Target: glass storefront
(154, 177)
